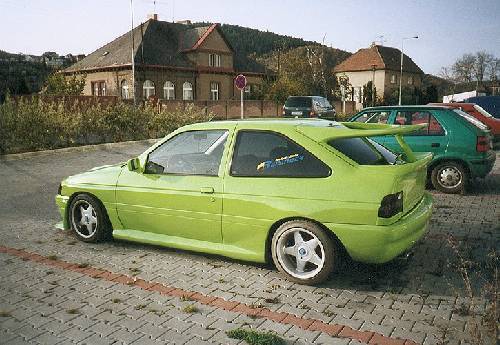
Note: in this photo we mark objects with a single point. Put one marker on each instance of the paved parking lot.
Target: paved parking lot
(57, 290)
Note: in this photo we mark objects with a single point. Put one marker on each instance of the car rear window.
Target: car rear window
(298, 102)
(364, 151)
(471, 119)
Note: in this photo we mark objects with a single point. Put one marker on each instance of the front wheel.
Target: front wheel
(449, 177)
(88, 219)
(304, 252)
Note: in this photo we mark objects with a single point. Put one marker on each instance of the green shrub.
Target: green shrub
(255, 338)
(33, 124)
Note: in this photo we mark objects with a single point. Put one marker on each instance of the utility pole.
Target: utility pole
(132, 50)
(401, 71)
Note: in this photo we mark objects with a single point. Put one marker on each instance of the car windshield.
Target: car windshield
(471, 119)
(298, 102)
(364, 151)
(482, 111)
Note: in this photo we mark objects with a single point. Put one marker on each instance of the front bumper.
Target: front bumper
(382, 243)
(62, 204)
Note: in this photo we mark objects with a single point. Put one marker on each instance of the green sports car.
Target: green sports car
(298, 192)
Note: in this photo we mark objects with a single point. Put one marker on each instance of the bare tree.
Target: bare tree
(493, 69)
(463, 68)
(481, 63)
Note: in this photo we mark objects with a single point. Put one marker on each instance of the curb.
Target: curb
(83, 148)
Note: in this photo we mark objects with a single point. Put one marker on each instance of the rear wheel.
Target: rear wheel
(304, 252)
(88, 219)
(449, 177)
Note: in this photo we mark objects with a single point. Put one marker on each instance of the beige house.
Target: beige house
(173, 61)
(380, 65)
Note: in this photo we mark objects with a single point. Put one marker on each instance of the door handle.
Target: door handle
(435, 144)
(207, 190)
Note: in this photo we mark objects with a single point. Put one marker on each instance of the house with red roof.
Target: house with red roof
(172, 61)
(380, 65)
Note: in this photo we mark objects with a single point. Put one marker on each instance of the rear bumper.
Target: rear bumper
(379, 244)
(482, 167)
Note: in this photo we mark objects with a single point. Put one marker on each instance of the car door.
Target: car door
(180, 191)
(429, 139)
(267, 174)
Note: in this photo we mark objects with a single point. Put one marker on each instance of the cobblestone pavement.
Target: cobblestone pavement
(57, 290)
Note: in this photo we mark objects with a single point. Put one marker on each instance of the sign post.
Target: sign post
(240, 82)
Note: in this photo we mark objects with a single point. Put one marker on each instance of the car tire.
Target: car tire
(304, 252)
(449, 177)
(88, 219)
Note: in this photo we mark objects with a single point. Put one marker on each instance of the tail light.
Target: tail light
(313, 114)
(482, 144)
(391, 205)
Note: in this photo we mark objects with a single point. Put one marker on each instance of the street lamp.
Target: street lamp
(401, 71)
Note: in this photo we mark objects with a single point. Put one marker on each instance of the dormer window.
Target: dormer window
(214, 60)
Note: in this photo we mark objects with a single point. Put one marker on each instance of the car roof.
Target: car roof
(264, 123)
(391, 107)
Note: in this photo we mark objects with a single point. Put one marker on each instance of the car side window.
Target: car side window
(420, 117)
(189, 153)
(269, 154)
(374, 117)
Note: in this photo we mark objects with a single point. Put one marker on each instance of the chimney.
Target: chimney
(185, 22)
(153, 16)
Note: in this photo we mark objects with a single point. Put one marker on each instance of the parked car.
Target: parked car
(461, 145)
(308, 106)
(480, 114)
(489, 103)
(295, 191)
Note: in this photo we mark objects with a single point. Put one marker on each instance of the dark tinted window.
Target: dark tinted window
(189, 153)
(363, 151)
(273, 155)
(298, 102)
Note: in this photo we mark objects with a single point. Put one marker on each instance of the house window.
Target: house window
(214, 91)
(125, 89)
(187, 91)
(214, 60)
(410, 80)
(148, 89)
(98, 88)
(393, 79)
(169, 90)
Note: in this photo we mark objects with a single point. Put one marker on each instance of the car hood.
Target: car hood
(102, 175)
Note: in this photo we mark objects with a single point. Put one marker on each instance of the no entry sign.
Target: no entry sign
(240, 81)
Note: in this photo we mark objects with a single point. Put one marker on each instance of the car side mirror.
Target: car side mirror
(133, 164)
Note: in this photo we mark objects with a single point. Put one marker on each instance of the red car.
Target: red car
(480, 114)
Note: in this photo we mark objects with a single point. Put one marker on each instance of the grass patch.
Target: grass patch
(83, 265)
(72, 243)
(140, 306)
(52, 257)
(255, 338)
(191, 308)
(186, 298)
(221, 280)
(116, 300)
(72, 311)
(328, 313)
(5, 313)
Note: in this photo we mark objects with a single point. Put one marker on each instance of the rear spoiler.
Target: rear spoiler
(357, 129)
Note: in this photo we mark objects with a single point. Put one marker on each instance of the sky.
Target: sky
(447, 29)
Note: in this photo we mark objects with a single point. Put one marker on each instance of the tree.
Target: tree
(58, 84)
(481, 63)
(369, 95)
(463, 68)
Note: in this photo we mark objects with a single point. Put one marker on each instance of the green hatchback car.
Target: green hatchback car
(462, 146)
(298, 192)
